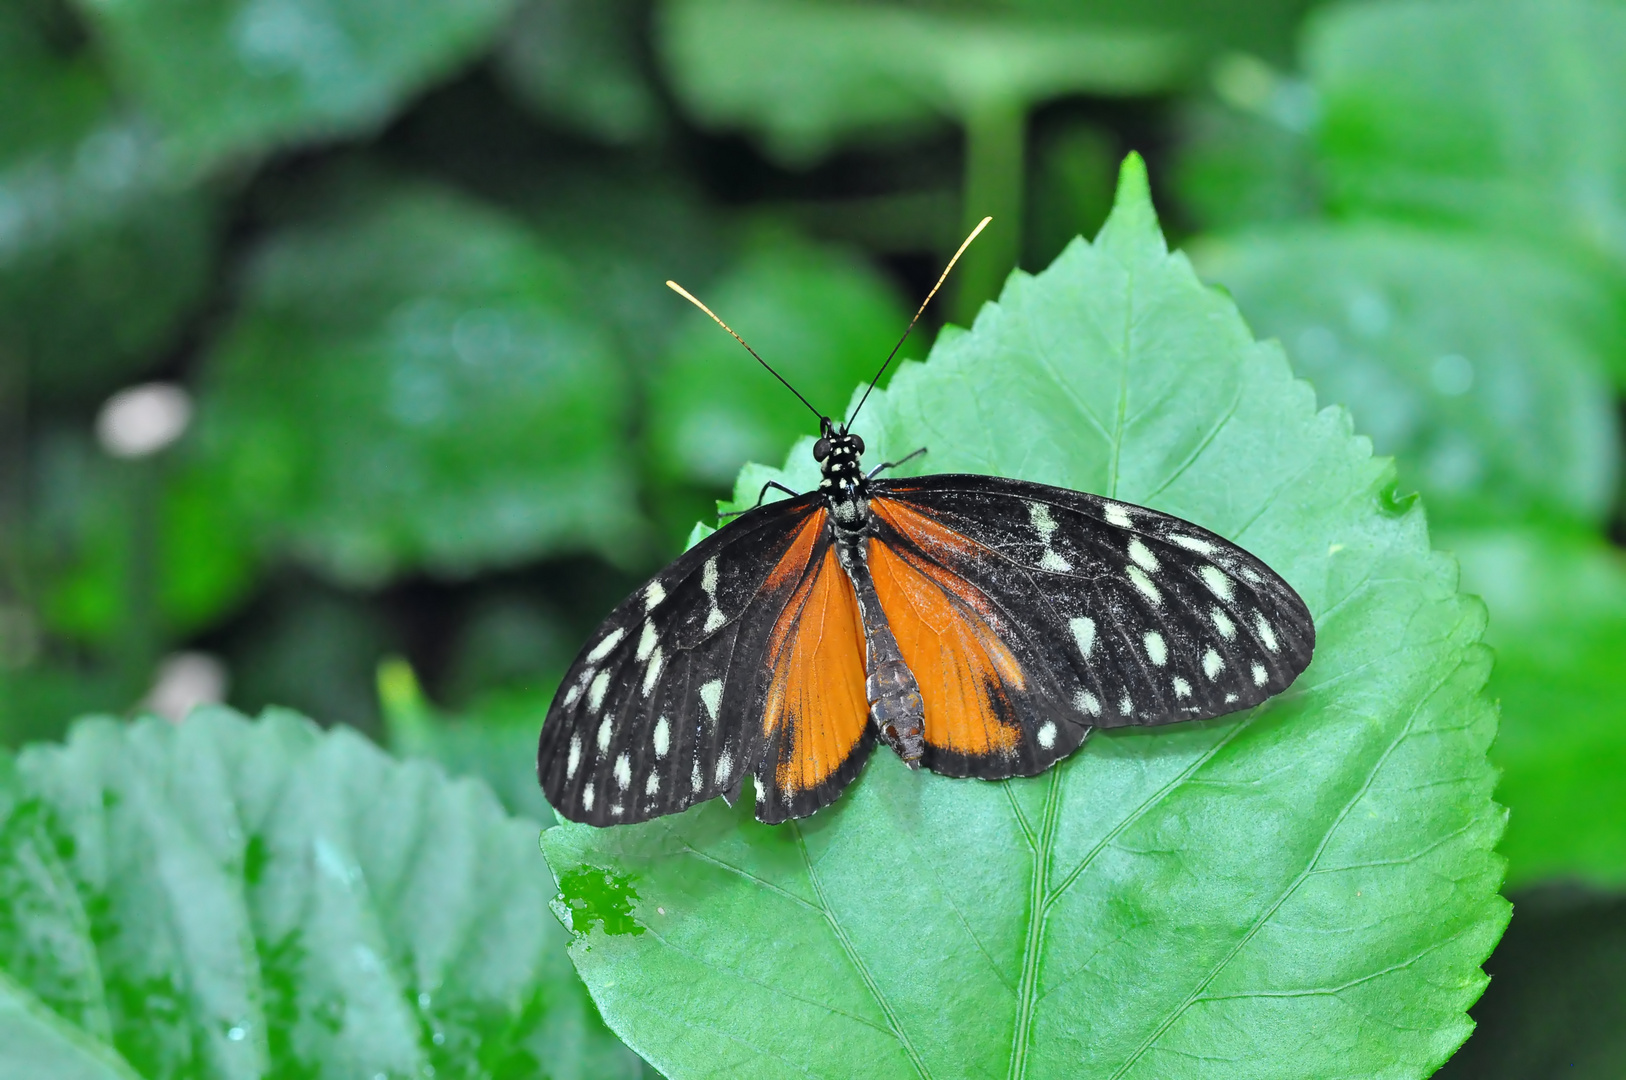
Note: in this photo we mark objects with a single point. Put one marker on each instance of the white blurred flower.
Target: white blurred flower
(142, 420)
(185, 681)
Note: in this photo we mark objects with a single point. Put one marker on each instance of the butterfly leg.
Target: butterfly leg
(763, 494)
(873, 473)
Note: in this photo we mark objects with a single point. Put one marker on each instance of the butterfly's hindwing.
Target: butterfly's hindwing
(1117, 614)
(654, 714)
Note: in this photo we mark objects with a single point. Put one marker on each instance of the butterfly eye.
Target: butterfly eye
(858, 443)
(821, 449)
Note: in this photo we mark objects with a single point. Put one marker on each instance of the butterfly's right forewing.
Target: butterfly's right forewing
(655, 713)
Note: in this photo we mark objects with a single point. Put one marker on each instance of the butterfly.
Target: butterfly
(978, 626)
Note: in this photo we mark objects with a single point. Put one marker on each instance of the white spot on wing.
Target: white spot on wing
(1230, 699)
(616, 809)
(611, 640)
(575, 757)
(653, 595)
(652, 674)
(1125, 706)
(1047, 735)
(1117, 516)
(1223, 623)
(652, 786)
(605, 730)
(1143, 556)
(595, 693)
(725, 766)
(694, 776)
(1212, 664)
(646, 640)
(1260, 675)
(1083, 629)
(1191, 543)
(1156, 650)
(1217, 582)
(715, 618)
(711, 695)
(623, 771)
(1144, 584)
(1054, 563)
(663, 737)
(1182, 689)
(1266, 634)
(572, 694)
(1039, 513)
(1086, 703)
(587, 796)
(708, 575)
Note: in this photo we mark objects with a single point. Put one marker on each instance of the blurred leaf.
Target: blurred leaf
(88, 513)
(1556, 995)
(38, 700)
(236, 78)
(1558, 624)
(1468, 359)
(1071, 189)
(313, 649)
(236, 899)
(504, 640)
(626, 230)
(821, 317)
(1502, 114)
(418, 386)
(1306, 890)
(1240, 168)
(808, 76)
(580, 63)
(37, 1043)
(101, 255)
(1264, 26)
(495, 741)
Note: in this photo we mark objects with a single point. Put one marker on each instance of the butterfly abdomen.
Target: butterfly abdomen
(895, 705)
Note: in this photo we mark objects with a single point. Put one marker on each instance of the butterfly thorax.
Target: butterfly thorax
(895, 705)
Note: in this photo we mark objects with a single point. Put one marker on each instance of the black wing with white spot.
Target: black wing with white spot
(1122, 615)
(655, 713)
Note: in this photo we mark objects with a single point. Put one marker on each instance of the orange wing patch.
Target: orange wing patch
(957, 658)
(816, 695)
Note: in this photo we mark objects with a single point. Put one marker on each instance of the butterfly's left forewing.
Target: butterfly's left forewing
(656, 713)
(1110, 615)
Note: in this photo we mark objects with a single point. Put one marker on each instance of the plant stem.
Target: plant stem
(995, 159)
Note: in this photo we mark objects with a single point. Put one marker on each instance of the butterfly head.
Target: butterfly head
(837, 451)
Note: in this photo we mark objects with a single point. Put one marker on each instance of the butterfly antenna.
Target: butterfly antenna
(981, 225)
(687, 295)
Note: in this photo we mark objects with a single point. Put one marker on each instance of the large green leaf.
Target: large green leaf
(419, 385)
(807, 76)
(1307, 889)
(1473, 361)
(822, 318)
(235, 78)
(1504, 113)
(1558, 624)
(232, 899)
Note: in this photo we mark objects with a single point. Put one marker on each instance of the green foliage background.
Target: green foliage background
(406, 262)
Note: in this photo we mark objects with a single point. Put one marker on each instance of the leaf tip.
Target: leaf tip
(1133, 220)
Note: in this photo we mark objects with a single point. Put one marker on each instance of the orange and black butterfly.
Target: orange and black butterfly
(978, 626)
